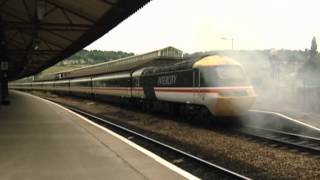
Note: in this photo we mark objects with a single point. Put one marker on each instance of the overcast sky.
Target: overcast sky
(199, 25)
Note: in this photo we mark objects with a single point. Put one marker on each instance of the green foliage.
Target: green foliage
(313, 49)
(260, 65)
(254, 56)
(85, 58)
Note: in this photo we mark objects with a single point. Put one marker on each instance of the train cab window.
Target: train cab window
(222, 76)
(229, 72)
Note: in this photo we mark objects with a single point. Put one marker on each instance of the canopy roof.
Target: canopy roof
(39, 33)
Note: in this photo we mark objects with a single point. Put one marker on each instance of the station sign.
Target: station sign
(4, 66)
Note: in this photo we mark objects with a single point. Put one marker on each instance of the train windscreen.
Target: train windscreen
(222, 76)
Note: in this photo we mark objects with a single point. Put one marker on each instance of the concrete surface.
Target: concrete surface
(39, 140)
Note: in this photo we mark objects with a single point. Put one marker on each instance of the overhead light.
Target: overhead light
(4, 66)
(36, 43)
(41, 9)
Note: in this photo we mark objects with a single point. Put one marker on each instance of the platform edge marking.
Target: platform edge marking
(286, 117)
(132, 144)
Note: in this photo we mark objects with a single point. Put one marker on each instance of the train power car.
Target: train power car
(215, 82)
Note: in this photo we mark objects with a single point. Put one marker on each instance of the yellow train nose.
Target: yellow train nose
(233, 106)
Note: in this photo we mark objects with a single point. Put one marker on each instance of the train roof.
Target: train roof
(215, 60)
(193, 62)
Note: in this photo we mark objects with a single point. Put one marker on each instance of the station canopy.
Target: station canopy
(39, 33)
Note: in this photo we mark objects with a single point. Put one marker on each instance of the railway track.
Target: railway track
(305, 143)
(222, 173)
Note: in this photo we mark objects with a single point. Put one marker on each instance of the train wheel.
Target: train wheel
(147, 107)
(205, 115)
(187, 112)
(175, 109)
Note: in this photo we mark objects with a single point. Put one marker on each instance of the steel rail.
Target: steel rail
(295, 140)
(280, 115)
(223, 170)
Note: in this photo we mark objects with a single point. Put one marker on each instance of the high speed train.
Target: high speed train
(213, 83)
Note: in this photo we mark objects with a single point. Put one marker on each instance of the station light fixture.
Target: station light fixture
(4, 66)
(41, 9)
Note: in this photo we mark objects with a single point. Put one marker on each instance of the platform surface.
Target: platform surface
(39, 140)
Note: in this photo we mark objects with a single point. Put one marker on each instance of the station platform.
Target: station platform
(41, 140)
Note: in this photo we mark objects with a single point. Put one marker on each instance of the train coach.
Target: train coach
(214, 83)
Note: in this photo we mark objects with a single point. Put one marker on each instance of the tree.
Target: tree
(313, 50)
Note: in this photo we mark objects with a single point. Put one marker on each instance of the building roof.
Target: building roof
(168, 55)
(40, 33)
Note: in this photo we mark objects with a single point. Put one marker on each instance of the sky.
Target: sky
(204, 25)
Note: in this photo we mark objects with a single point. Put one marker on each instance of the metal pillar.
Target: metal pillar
(4, 97)
(4, 66)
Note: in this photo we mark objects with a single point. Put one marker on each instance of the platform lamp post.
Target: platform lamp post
(227, 38)
(4, 66)
(4, 82)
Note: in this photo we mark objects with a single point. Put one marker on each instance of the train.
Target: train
(213, 84)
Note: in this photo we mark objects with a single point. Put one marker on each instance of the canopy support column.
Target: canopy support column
(4, 92)
(4, 66)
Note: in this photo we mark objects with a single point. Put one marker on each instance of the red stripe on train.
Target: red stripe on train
(196, 90)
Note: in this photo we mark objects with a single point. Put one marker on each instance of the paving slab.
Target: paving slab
(40, 140)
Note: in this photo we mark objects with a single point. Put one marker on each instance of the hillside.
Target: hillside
(85, 58)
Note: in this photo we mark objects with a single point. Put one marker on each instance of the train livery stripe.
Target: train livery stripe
(112, 88)
(157, 89)
(120, 88)
(177, 90)
(202, 90)
(137, 88)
